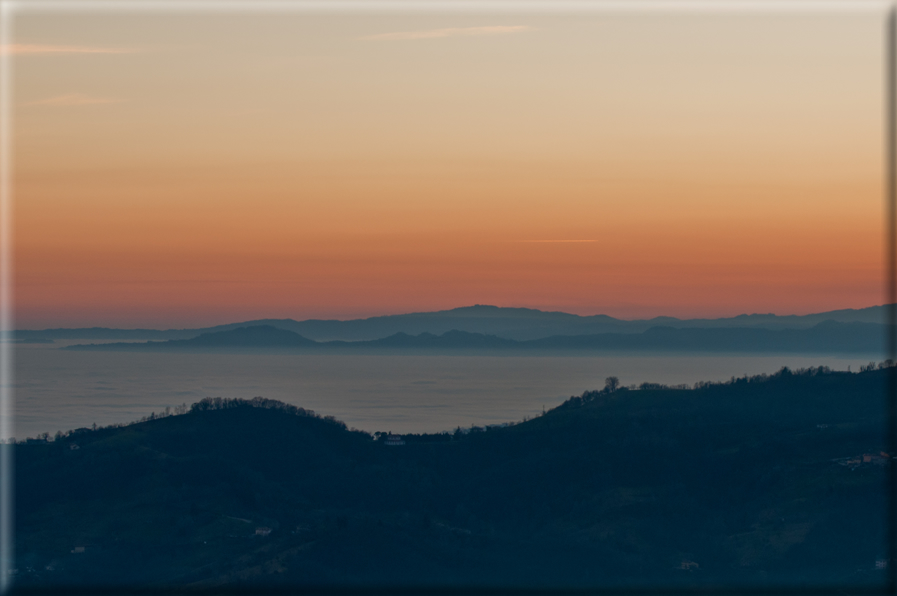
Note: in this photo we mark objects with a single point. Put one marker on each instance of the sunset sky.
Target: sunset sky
(180, 170)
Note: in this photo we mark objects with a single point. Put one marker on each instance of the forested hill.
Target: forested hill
(769, 481)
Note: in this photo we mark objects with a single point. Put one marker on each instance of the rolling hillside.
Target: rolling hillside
(776, 481)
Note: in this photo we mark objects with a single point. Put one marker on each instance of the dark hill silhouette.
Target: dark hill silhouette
(512, 323)
(449, 340)
(759, 483)
(259, 336)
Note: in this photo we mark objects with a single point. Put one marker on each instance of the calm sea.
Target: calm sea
(60, 390)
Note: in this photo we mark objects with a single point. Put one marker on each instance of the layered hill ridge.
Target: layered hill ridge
(511, 323)
(825, 337)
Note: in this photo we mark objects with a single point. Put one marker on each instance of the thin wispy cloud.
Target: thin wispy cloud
(450, 32)
(555, 241)
(73, 99)
(37, 49)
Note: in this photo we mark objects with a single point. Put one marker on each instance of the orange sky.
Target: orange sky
(191, 169)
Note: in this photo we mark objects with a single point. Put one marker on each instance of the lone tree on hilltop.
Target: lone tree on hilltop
(611, 384)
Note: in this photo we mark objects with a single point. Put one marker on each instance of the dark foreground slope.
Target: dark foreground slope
(744, 483)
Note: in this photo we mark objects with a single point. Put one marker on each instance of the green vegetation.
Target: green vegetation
(759, 481)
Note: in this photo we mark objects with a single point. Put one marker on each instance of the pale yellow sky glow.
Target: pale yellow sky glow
(343, 165)
(450, 32)
(25, 49)
(72, 99)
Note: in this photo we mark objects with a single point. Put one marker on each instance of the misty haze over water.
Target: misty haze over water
(61, 390)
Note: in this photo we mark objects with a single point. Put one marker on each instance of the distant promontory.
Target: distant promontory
(824, 337)
(519, 324)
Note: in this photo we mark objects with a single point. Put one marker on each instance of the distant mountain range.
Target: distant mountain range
(825, 337)
(519, 324)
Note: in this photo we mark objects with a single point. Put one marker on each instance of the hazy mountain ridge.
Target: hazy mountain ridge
(512, 323)
(825, 337)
